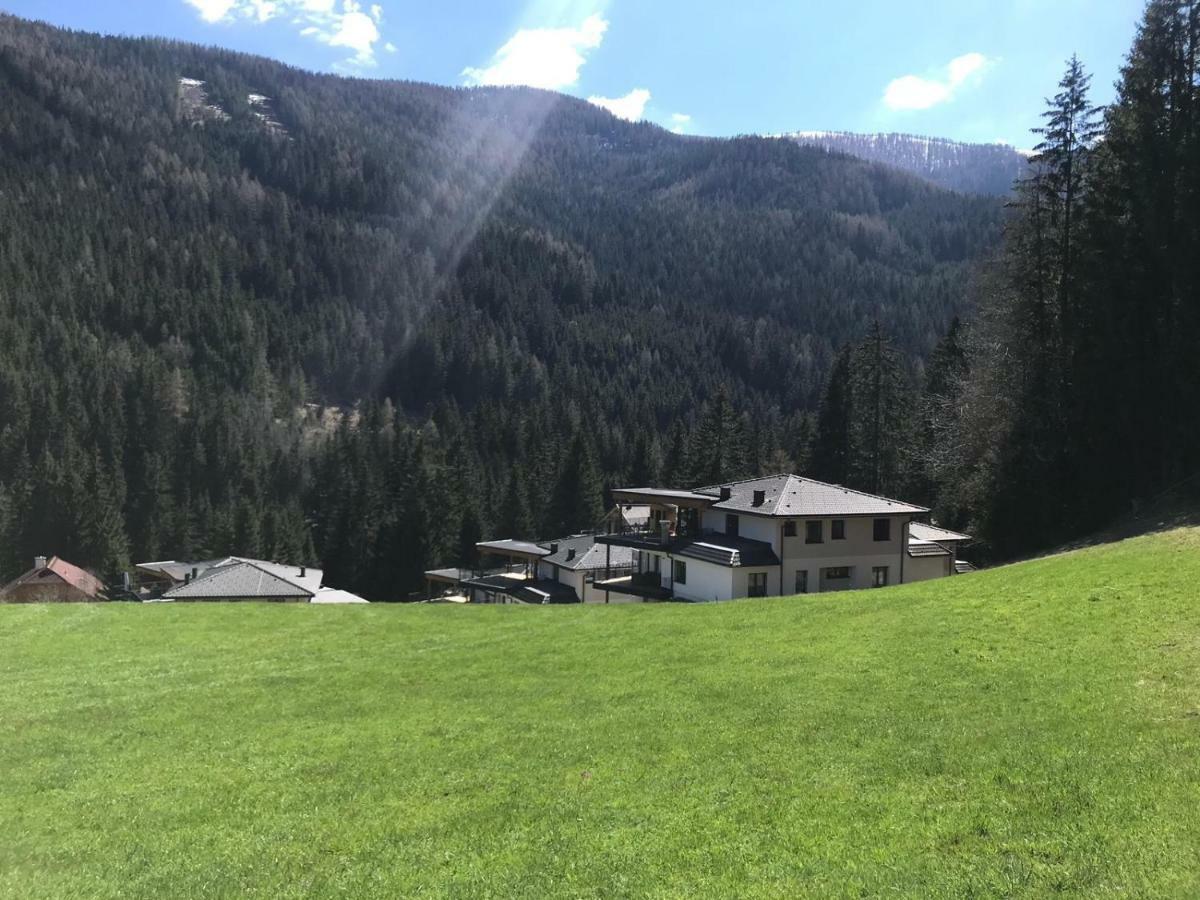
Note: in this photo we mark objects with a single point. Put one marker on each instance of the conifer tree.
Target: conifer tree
(831, 443)
(718, 451)
(577, 504)
(880, 414)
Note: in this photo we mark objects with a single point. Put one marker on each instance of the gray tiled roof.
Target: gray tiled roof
(794, 496)
(922, 532)
(242, 580)
(926, 548)
(588, 554)
(725, 550)
(523, 548)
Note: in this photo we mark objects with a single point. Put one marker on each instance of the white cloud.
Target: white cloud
(542, 57)
(680, 122)
(917, 92)
(213, 10)
(631, 107)
(356, 31)
(338, 26)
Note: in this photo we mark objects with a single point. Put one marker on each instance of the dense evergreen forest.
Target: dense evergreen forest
(970, 168)
(390, 317)
(366, 323)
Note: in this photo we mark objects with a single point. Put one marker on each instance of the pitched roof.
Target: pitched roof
(926, 548)
(334, 596)
(922, 532)
(72, 575)
(543, 592)
(509, 547)
(729, 551)
(247, 578)
(588, 554)
(794, 496)
(176, 569)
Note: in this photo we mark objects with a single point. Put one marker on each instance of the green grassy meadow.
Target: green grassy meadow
(1027, 731)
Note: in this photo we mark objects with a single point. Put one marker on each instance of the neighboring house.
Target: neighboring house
(53, 581)
(235, 579)
(582, 563)
(567, 570)
(161, 576)
(933, 553)
(772, 536)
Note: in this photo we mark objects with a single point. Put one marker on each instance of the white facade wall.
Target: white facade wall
(756, 528)
(705, 581)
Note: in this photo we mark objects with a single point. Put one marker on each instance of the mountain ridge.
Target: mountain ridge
(974, 168)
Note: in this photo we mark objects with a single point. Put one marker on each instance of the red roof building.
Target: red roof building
(53, 581)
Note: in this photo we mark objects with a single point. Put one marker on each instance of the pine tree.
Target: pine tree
(718, 451)
(830, 459)
(1071, 130)
(514, 519)
(103, 543)
(577, 504)
(677, 467)
(646, 468)
(880, 414)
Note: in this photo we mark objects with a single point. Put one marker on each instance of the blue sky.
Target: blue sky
(974, 70)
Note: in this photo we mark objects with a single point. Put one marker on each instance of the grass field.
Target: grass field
(1027, 731)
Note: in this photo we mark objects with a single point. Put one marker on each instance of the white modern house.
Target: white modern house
(772, 536)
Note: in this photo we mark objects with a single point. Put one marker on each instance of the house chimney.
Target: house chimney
(553, 549)
(187, 577)
(39, 562)
(760, 497)
(726, 493)
(195, 571)
(303, 571)
(571, 553)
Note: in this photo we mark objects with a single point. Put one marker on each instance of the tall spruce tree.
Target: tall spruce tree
(830, 457)
(578, 503)
(880, 414)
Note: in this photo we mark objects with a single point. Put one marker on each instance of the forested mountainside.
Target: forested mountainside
(506, 298)
(990, 169)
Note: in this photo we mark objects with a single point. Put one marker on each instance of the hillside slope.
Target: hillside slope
(1025, 731)
(970, 168)
(200, 243)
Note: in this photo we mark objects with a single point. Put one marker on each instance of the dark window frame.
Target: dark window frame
(886, 530)
(732, 524)
(789, 528)
(876, 581)
(679, 572)
(817, 527)
(837, 530)
(802, 581)
(828, 575)
(752, 580)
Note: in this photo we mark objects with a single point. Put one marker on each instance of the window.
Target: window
(813, 533)
(801, 581)
(731, 525)
(789, 529)
(837, 529)
(879, 576)
(883, 529)
(837, 573)
(758, 584)
(680, 573)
